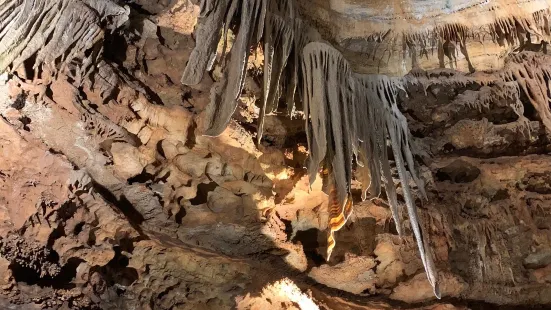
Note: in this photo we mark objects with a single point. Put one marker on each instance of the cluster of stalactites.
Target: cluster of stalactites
(525, 73)
(284, 36)
(532, 72)
(348, 116)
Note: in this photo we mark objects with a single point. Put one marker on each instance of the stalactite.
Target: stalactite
(453, 38)
(532, 73)
(350, 115)
(285, 35)
(374, 118)
(207, 34)
(328, 105)
(225, 92)
(278, 42)
(381, 94)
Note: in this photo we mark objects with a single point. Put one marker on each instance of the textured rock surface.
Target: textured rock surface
(111, 197)
(393, 37)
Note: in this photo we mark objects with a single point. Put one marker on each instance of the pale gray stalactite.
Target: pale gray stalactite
(285, 35)
(207, 34)
(332, 129)
(315, 118)
(232, 11)
(426, 258)
(347, 115)
(373, 132)
(278, 38)
(302, 35)
(225, 92)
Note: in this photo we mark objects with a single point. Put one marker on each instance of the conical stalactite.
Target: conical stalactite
(398, 133)
(451, 39)
(465, 218)
(373, 130)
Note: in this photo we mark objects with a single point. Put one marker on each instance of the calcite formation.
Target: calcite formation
(274, 154)
(395, 37)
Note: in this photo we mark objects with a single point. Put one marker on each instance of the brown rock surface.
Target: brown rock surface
(111, 197)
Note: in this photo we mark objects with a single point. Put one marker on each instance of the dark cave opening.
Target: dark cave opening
(63, 280)
(203, 190)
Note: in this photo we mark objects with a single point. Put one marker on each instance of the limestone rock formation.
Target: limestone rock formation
(274, 154)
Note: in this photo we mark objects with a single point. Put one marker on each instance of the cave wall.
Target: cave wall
(111, 198)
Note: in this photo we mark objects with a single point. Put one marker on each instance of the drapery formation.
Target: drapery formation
(285, 35)
(348, 116)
